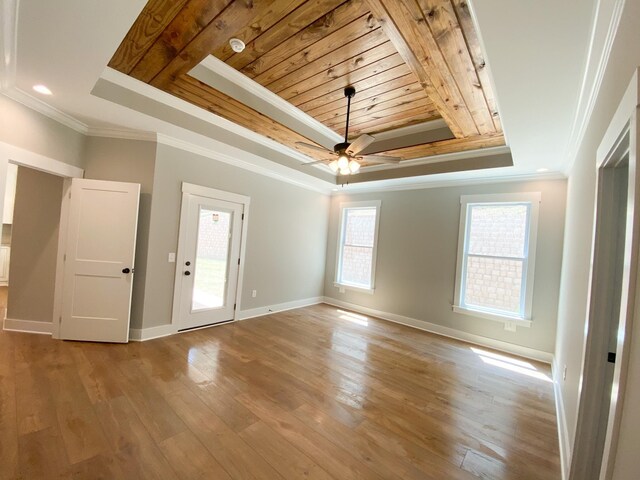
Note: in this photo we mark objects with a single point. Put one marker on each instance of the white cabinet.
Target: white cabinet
(5, 253)
(10, 193)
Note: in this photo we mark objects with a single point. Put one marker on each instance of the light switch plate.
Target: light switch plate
(172, 257)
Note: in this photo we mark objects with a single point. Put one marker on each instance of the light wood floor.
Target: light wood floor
(312, 393)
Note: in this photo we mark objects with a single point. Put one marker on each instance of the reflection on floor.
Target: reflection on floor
(311, 393)
(3, 302)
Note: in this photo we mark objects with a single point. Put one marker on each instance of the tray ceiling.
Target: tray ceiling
(411, 61)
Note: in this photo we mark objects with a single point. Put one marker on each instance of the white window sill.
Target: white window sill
(521, 322)
(344, 286)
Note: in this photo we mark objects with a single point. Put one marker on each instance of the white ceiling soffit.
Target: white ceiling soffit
(537, 60)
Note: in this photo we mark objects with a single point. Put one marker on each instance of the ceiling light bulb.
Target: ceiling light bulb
(354, 166)
(42, 89)
(343, 162)
(237, 45)
(334, 166)
(345, 171)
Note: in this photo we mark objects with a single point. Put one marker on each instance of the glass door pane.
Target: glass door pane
(212, 259)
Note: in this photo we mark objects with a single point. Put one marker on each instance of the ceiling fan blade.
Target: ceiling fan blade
(314, 147)
(360, 143)
(316, 162)
(381, 159)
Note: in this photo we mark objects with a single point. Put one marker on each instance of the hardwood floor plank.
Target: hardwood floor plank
(318, 392)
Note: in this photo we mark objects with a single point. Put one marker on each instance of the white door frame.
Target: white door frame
(620, 139)
(212, 193)
(26, 158)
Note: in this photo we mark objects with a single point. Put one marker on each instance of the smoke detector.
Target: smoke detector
(237, 45)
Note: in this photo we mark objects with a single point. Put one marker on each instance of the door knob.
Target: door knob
(126, 270)
(187, 273)
(187, 263)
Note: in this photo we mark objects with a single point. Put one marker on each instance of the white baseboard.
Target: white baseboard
(28, 326)
(281, 307)
(563, 431)
(507, 347)
(142, 334)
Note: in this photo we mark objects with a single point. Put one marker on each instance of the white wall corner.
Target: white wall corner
(27, 326)
(561, 418)
(143, 334)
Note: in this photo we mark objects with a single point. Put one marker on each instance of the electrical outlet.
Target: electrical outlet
(564, 373)
(254, 293)
(341, 290)
(172, 257)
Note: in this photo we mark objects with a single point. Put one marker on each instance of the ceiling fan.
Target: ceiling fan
(348, 161)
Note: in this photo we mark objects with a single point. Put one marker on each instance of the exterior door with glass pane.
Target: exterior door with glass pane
(210, 262)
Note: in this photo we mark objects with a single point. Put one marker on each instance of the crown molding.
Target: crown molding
(38, 105)
(426, 184)
(8, 42)
(122, 134)
(588, 96)
(236, 162)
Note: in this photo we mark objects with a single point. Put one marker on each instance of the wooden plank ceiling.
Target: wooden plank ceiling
(410, 61)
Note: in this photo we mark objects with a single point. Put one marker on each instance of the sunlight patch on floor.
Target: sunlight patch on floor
(354, 318)
(513, 364)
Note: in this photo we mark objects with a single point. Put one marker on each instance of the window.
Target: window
(357, 245)
(496, 256)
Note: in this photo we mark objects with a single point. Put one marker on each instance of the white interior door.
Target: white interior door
(210, 261)
(98, 263)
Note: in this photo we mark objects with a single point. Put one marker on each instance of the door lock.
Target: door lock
(187, 273)
(187, 263)
(126, 270)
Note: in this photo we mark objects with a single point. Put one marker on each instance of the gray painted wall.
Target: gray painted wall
(417, 253)
(28, 129)
(34, 248)
(625, 57)
(286, 238)
(128, 161)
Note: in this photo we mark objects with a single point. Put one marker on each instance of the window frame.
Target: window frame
(528, 266)
(344, 206)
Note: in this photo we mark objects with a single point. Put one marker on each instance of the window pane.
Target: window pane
(210, 279)
(493, 283)
(360, 227)
(498, 230)
(356, 266)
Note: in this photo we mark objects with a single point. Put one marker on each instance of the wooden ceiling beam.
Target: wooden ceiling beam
(306, 14)
(238, 14)
(404, 23)
(149, 25)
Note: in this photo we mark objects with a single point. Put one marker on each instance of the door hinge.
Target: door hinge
(238, 261)
(243, 216)
(60, 321)
(69, 193)
(64, 258)
(234, 306)
(611, 357)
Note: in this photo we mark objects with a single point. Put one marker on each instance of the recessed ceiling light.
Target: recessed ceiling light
(237, 45)
(42, 89)
(542, 170)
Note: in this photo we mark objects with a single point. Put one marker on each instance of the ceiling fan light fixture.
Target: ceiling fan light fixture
(333, 165)
(345, 171)
(354, 166)
(343, 162)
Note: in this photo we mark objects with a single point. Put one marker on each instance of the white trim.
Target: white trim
(47, 110)
(27, 158)
(377, 204)
(8, 42)
(124, 134)
(355, 288)
(280, 307)
(251, 87)
(143, 334)
(522, 322)
(561, 420)
(27, 326)
(528, 261)
(215, 193)
(380, 186)
(588, 100)
(236, 162)
(506, 347)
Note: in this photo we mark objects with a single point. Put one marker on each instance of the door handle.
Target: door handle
(187, 273)
(126, 270)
